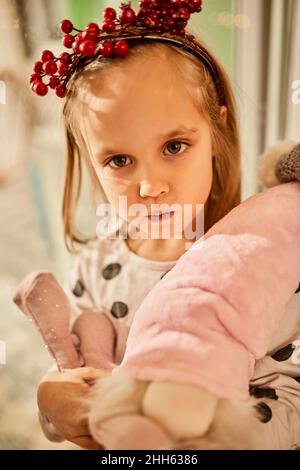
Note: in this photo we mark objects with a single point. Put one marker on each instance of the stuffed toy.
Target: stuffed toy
(196, 336)
(89, 343)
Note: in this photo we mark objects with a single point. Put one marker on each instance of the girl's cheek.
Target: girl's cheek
(111, 185)
(119, 194)
(114, 182)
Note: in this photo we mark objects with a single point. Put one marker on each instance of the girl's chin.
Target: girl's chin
(155, 230)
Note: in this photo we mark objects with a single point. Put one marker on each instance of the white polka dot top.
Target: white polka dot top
(106, 276)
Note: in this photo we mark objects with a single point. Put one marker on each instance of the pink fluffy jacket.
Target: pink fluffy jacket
(215, 312)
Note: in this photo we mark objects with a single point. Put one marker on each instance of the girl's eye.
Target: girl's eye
(175, 146)
(120, 160)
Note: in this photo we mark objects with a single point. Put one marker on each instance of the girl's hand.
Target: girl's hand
(62, 398)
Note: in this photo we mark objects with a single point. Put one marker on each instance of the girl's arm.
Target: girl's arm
(275, 384)
(206, 324)
(219, 307)
(279, 410)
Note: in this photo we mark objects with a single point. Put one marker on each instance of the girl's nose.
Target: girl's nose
(153, 188)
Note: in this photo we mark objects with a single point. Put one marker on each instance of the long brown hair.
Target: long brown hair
(226, 186)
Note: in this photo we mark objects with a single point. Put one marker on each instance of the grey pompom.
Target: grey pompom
(267, 162)
(288, 167)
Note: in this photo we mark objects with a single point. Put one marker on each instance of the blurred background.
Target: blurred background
(257, 41)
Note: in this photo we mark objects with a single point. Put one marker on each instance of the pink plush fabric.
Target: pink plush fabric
(209, 319)
(89, 343)
(44, 302)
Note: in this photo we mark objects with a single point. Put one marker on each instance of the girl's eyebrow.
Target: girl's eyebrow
(179, 131)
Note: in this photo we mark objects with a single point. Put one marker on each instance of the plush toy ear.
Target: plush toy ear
(279, 164)
(40, 297)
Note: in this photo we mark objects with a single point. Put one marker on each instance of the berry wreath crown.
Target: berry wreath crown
(159, 20)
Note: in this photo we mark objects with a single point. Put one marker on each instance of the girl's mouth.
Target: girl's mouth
(160, 217)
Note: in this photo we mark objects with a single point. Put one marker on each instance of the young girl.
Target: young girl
(155, 128)
(133, 105)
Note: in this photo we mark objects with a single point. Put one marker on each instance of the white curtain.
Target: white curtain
(248, 89)
(292, 124)
(267, 69)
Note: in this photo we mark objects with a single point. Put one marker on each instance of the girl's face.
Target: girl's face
(147, 140)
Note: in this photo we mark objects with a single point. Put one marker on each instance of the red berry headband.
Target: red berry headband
(159, 20)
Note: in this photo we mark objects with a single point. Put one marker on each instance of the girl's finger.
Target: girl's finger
(86, 374)
(91, 375)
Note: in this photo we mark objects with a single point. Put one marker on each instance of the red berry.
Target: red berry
(33, 77)
(93, 27)
(90, 34)
(128, 16)
(107, 49)
(53, 82)
(60, 91)
(109, 14)
(66, 26)
(38, 67)
(121, 48)
(38, 80)
(40, 88)
(184, 14)
(170, 23)
(154, 4)
(63, 68)
(87, 48)
(181, 31)
(46, 56)
(148, 22)
(76, 45)
(108, 26)
(143, 12)
(196, 5)
(68, 41)
(50, 67)
(65, 57)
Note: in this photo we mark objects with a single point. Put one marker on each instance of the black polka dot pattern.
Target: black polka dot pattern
(284, 354)
(264, 412)
(264, 393)
(111, 271)
(119, 310)
(78, 289)
(298, 290)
